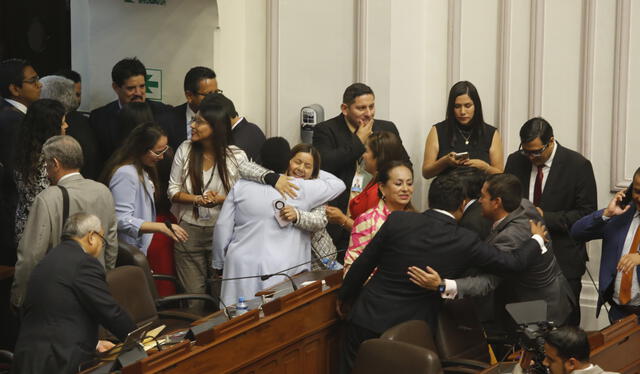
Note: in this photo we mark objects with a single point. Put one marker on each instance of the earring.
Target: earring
(383, 197)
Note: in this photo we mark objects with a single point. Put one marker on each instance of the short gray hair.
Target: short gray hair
(80, 224)
(65, 149)
(60, 88)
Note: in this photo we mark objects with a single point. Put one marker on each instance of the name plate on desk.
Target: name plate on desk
(293, 298)
(226, 328)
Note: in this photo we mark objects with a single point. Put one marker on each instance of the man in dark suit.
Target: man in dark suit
(340, 141)
(561, 184)
(128, 76)
(19, 86)
(60, 318)
(198, 83)
(502, 203)
(433, 239)
(618, 225)
(244, 134)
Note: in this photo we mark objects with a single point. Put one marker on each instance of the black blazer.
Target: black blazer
(81, 130)
(405, 239)
(177, 125)
(569, 194)
(248, 137)
(104, 121)
(67, 299)
(10, 120)
(473, 220)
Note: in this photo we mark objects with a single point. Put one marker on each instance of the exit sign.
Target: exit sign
(153, 83)
(152, 2)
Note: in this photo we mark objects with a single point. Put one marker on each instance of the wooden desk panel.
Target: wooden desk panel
(301, 338)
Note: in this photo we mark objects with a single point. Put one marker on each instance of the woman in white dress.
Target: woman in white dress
(249, 241)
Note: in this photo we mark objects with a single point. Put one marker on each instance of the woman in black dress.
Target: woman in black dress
(463, 130)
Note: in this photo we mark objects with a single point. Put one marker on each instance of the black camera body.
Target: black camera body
(531, 338)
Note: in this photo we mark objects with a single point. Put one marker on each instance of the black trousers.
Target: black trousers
(576, 287)
(353, 336)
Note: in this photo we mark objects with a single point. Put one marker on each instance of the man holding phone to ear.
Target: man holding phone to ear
(618, 225)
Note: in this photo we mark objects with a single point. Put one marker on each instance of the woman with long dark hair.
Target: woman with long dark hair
(132, 177)
(204, 170)
(44, 119)
(463, 138)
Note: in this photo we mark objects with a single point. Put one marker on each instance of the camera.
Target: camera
(531, 317)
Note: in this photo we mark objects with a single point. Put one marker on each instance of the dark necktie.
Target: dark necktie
(537, 188)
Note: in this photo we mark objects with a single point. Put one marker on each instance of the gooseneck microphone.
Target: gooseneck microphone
(293, 284)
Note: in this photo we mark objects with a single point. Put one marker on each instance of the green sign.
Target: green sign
(153, 83)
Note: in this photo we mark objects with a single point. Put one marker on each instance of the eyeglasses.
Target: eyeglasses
(207, 93)
(32, 80)
(536, 153)
(158, 154)
(104, 241)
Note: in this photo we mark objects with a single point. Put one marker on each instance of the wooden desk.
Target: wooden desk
(298, 334)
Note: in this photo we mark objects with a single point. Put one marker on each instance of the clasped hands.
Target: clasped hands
(209, 199)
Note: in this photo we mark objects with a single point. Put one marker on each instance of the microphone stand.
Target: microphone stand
(293, 284)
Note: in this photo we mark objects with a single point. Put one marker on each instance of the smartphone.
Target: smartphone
(626, 200)
(462, 156)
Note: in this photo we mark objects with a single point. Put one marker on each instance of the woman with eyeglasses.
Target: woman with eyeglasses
(132, 177)
(204, 170)
(463, 138)
(44, 119)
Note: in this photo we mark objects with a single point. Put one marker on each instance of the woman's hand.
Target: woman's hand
(335, 215)
(289, 213)
(179, 236)
(452, 161)
(477, 163)
(286, 188)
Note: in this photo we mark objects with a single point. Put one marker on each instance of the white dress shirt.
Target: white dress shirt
(20, 106)
(545, 170)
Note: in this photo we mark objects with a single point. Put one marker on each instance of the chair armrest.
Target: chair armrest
(179, 315)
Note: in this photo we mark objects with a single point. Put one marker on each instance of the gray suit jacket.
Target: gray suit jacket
(44, 226)
(541, 280)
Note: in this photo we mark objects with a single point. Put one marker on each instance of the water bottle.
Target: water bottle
(241, 307)
(331, 264)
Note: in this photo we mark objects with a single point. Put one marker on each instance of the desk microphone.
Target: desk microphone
(267, 276)
(293, 284)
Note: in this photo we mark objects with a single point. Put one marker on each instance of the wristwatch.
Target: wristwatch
(442, 287)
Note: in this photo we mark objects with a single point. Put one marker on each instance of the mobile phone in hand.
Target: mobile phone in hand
(626, 200)
(462, 156)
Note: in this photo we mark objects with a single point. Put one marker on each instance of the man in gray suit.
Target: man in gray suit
(63, 157)
(543, 280)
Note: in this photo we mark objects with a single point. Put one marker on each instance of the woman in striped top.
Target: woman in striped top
(395, 187)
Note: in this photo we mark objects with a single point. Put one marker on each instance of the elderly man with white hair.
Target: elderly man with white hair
(67, 299)
(69, 193)
(63, 90)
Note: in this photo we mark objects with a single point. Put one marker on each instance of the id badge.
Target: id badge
(204, 213)
(358, 181)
